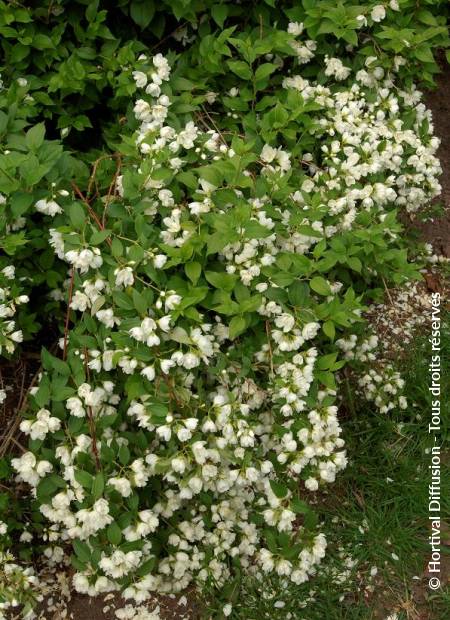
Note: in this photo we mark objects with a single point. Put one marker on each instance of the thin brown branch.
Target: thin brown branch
(270, 348)
(90, 416)
(66, 325)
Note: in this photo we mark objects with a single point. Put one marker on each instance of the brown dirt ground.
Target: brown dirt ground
(437, 233)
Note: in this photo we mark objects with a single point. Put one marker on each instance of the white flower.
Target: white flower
(295, 28)
(49, 207)
(84, 259)
(166, 365)
(124, 276)
(268, 153)
(17, 336)
(9, 272)
(166, 198)
(159, 261)
(378, 13)
(190, 360)
(310, 330)
(362, 21)
(188, 135)
(121, 485)
(164, 323)
(107, 317)
(336, 68)
(307, 185)
(172, 301)
(311, 484)
(140, 78)
(42, 425)
(148, 372)
(80, 301)
(285, 322)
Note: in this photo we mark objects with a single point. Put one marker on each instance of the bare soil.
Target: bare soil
(437, 232)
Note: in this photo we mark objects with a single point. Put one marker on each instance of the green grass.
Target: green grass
(367, 517)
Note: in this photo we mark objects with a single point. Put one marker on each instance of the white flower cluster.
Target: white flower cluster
(10, 299)
(383, 386)
(43, 424)
(30, 469)
(381, 383)
(395, 323)
(18, 587)
(131, 612)
(368, 138)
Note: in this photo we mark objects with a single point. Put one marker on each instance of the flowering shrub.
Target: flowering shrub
(33, 171)
(17, 586)
(210, 275)
(18, 581)
(74, 51)
(10, 299)
(54, 73)
(194, 399)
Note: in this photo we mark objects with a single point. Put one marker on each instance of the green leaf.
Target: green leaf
(354, 263)
(42, 396)
(329, 329)
(42, 42)
(212, 174)
(82, 550)
(263, 71)
(114, 534)
(320, 286)
(91, 11)
(251, 304)
(426, 18)
(77, 215)
(35, 137)
(277, 117)
(326, 361)
(124, 455)
(237, 326)
(99, 236)
(60, 366)
(20, 202)
(116, 248)
(159, 411)
(219, 13)
(45, 489)
(224, 281)
(216, 242)
(194, 296)
(193, 271)
(98, 485)
(298, 293)
(84, 478)
(279, 490)
(424, 54)
(240, 68)
(147, 567)
(327, 378)
(142, 12)
(140, 302)
(299, 506)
